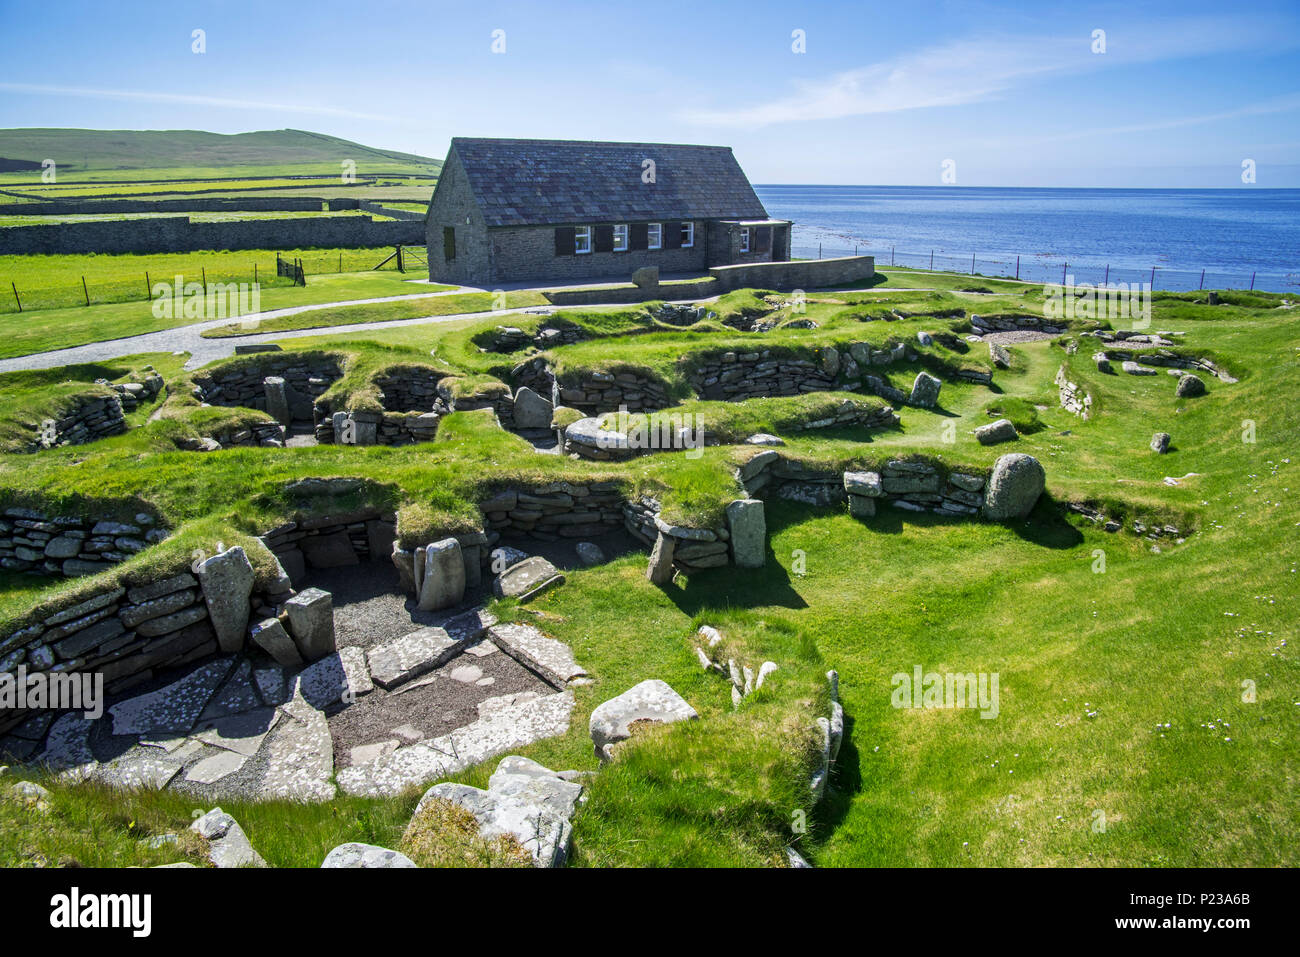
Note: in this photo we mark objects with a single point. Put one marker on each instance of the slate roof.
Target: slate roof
(553, 182)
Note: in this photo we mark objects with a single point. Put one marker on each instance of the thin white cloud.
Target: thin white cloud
(153, 96)
(975, 69)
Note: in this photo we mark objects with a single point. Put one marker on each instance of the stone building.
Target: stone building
(562, 210)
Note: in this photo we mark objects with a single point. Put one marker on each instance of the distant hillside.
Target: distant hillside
(174, 149)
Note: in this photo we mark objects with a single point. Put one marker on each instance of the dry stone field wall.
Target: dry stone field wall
(71, 546)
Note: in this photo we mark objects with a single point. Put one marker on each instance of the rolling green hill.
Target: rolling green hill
(85, 150)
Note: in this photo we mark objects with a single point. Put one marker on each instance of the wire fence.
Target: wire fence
(105, 284)
(1044, 269)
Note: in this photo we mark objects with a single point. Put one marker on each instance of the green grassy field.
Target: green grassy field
(1123, 737)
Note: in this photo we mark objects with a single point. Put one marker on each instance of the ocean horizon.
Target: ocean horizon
(1174, 238)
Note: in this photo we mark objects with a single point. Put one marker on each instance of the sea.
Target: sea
(1175, 239)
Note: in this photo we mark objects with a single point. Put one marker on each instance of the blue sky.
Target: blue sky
(1013, 94)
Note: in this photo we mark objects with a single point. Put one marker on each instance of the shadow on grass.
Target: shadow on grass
(845, 782)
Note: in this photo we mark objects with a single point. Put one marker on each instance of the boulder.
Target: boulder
(523, 800)
(589, 553)
(311, 621)
(531, 410)
(440, 575)
(1014, 487)
(527, 579)
(994, 432)
(1102, 360)
(925, 390)
(228, 845)
(999, 355)
(647, 277)
(748, 527)
(270, 636)
(650, 702)
(227, 583)
(1189, 387)
(365, 855)
(764, 438)
(1160, 443)
(924, 338)
(1132, 368)
(831, 361)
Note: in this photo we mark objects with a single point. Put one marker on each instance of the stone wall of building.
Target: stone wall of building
(694, 549)
(376, 428)
(307, 376)
(87, 418)
(908, 485)
(127, 631)
(557, 510)
(32, 540)
(593, 391)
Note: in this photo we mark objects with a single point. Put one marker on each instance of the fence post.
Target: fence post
(148, 286)
(399, 258)
(1153, 277)
(1202, 284)
(891, 255)
(1252, 282)
(20, 302)
(1064, 267)
(254, 274)
(1106, 281)
(84, 290)
(1017, 267)
(972, 264)
(931, 260)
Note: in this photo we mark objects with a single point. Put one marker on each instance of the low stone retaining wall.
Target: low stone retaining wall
(70, 545)
(88, 418)
(795, 274)
(734, 377)
(911, 486)
(242, 383)
(594, 392)
(332, 541)
(586, 439)
(409, 389)
(502, 403)
(1013, 323)
(1167, 360)
(1074, 398)
(557, 510)
(129, 632)
(265, 435)
(692, 549)
(375, 428)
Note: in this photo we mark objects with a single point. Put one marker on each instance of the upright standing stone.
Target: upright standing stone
(227, 582)
(277, 400)
(660, 569)
(1014, 487)
(925, 390)
(531, 410)
(443, 575)
(1160, 443)
(311, 620)
(748, 526)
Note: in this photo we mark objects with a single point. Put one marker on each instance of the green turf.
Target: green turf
(1122, 695)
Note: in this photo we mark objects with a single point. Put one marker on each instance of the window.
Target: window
(688, 235)
(655, 236)
(620, 238)
(582, 239)
(744, 239)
